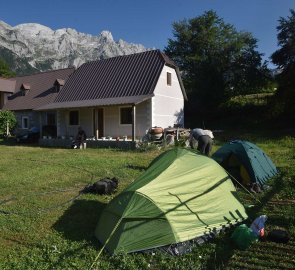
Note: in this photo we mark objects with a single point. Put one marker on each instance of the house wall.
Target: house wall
(143, 117)
(34, 118)
(85, 121)
(3, 98)
(112, 126)
(168, 102)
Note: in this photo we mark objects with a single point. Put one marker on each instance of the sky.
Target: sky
(149, 22)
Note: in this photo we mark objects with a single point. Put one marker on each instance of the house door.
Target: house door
(99, 123)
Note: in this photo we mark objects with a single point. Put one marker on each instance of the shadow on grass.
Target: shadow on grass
(276, 188)
(79, 221)
(135, 167)
(224, 250)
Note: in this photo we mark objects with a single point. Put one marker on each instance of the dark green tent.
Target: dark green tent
(181, 196)
(246, 162)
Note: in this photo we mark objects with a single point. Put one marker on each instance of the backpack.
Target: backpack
(103, 186)
(278, 236)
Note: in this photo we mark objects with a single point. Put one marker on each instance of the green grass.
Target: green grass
(253, 99)
(43, 233)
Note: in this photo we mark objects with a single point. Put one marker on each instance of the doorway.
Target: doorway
(99, 123)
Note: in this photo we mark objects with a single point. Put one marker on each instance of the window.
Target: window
(126, 116)
(56, 88)
(169, 78)
(74, 118)
(25, 87)
(25, 122)
(51, 118)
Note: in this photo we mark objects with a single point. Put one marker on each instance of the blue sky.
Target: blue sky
(149, 22)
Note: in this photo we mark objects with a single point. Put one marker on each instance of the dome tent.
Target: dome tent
(181, 196)
(246, 162)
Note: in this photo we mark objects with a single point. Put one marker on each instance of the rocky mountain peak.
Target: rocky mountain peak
(41, 48)
(107, 36)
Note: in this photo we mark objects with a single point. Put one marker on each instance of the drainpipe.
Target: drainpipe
(133, 122)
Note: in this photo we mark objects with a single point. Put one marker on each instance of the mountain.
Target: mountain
(32, 47)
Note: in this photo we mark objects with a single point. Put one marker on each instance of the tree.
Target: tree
(216, 60)
(7, 122)
(284, 58)
(5, 70)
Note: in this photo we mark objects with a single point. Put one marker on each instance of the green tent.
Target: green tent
(246, 162)
(182, 195)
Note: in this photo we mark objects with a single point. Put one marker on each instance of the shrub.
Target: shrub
(7, 118)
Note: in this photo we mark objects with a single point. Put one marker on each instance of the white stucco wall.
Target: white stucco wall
(85, 121)
(112, 126)
(168, 102)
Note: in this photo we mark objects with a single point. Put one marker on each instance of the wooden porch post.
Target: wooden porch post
(58, 123)
(40, 123)
(133, 122)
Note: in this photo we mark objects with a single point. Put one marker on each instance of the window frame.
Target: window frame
(27, 121)
(120, 115)
(169, 78)
(78, 118)
(53, 114)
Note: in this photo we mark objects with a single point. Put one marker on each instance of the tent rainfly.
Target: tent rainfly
(246, 162)
(181, 196)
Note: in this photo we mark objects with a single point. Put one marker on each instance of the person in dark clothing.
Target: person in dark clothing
(81, 138)
(204, 139)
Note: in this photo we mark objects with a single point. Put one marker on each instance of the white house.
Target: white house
(120, 96)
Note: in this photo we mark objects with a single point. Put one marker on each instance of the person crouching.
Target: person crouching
(81, 138)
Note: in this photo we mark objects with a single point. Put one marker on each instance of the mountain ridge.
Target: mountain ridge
(33, 47)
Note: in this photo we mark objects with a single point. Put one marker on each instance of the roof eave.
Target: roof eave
(95, 103)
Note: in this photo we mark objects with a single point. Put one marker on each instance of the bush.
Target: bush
(7, 118)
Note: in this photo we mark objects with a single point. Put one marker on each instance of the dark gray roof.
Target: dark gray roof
(59, 82)
(119, 77)
(40, 89)
(25, 86)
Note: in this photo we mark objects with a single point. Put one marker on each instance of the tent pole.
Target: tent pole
(243, 187)
(98, 255)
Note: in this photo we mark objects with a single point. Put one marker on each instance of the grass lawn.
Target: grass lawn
(39, 230)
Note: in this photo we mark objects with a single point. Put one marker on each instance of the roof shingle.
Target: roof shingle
(41, 91)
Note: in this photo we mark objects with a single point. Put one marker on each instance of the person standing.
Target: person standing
(204, 137)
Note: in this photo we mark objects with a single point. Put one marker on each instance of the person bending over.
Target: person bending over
(204, 137)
